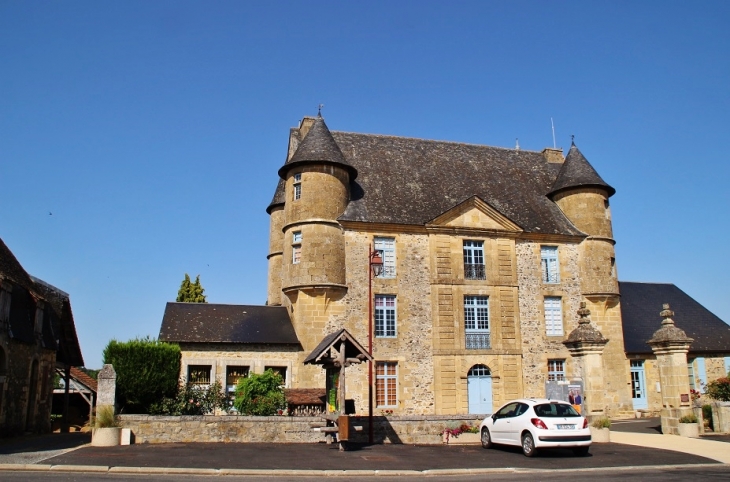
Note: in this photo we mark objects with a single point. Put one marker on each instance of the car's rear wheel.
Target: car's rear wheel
(528, 445)
(580, 451)
(486, 439)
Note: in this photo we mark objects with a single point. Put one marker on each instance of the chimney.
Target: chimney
(553, 155)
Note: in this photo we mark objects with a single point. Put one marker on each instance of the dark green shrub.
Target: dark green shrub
(147, 372)
(192, 400)
(260, 394)
(719, 389)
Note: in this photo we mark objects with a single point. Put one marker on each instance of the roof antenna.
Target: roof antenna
(517, 143)
(319, 110)
(555, 146)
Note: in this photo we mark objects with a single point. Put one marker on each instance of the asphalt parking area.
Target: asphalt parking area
(374, 457)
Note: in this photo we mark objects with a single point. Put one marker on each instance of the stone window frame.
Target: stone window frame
(549, 264)
(386, 247)
(187, 362)
(475, 267)
(471, 304)
(556, 370)
(297, 186)
(386, 384)
(226, 385)
(553, 304)
(274, 365)
(382, 322)
(296, 247)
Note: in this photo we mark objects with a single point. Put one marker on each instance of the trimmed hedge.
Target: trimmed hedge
(147, 371)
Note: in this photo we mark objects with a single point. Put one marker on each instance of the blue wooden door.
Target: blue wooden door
(638, 385)
(479, 387)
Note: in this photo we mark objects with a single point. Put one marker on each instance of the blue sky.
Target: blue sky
(153, 131)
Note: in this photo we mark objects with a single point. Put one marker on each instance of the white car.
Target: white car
(537, 423)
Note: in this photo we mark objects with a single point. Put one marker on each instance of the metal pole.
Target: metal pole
(370, 346)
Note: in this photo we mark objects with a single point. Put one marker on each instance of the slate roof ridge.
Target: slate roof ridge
(220, 304)
(419, 139)
(648, 282)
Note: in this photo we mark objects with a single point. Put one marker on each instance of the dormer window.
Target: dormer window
(297, 186)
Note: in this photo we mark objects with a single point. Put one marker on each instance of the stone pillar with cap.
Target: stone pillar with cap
(107, 386)
(586, 345)
(670, 345)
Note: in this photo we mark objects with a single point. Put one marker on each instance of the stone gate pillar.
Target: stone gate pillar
(586, 345)
(107, 388)
(670, 346)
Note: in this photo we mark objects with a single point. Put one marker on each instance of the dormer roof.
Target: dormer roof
(318, 147)
(577, 172)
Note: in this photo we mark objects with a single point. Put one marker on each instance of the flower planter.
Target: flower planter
(689, 430)
(600, 435)
(462, 439)
(106, 437)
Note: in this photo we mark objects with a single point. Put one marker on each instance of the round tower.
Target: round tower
(316, 189)
(276, 244)
(582, 196)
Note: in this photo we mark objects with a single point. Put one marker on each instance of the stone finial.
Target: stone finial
(585, 332)
(668, 333)
(107, 386)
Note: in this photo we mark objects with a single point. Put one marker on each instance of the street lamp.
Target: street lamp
(375, 268)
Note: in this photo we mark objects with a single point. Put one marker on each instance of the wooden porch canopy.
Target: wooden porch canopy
(330, 351)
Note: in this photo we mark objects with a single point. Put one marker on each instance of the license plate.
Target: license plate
(566, 427)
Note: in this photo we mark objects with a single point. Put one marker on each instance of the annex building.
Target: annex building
(488, 254)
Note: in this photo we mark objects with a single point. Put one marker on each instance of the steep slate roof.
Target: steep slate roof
(641, 304)
(279, 196)
(10, 268)
(578, 172)
(318, 147)
(413, 181)
(212, 323)
(69, 349)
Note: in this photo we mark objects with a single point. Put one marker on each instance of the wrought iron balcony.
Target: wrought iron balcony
(474, 271)
(478, 341)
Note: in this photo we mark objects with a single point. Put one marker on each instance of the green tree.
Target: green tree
(260, 394)
(147, 371)
(719, 389)
(190, 292)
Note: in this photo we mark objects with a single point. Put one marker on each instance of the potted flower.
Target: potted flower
(600, 430)
(464, 432)
(105, 428)
(688, 426)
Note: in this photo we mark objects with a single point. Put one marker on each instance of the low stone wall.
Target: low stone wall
(417, 429)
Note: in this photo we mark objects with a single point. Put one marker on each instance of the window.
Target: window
(386, 247)
(297, 186)
(385, 316)
(476, 322)
(233, 375)
(199, 374)
(553, 316)
(474, 260)
(556, 370)
(727, 365)
(296, 248)
(549, 264)
(386, 384)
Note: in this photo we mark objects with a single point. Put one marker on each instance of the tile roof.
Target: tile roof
(641, 304)
(305, 396)
(578, 172)
(83, 378)
(214, 323)
(413, 181)
(318, 147)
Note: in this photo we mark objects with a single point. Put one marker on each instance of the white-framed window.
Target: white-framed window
(549, 264)
(279, 370)
(556, 370)
(386, 384)
(199, 374)
(476, 322)
(385, 316)
(296, 247)
(697, 374)
(234, 373)
(474, 260)
(554, 316)
(297, 186)
(386, 247)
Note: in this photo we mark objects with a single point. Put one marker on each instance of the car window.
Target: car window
(521, 408)
(508, 410)
(555, 410)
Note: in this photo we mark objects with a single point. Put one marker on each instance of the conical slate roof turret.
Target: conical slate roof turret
(578, 172)
(318, 147)
(279, 196)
